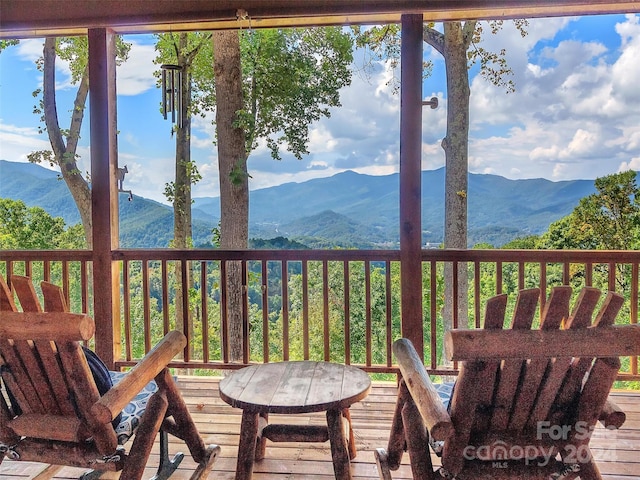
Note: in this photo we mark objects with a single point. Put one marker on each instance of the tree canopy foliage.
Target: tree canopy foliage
(606, 220)
(32, 228)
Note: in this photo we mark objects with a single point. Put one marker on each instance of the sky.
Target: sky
(575, 113)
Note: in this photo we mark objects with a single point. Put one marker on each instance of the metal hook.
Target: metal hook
(433, 103)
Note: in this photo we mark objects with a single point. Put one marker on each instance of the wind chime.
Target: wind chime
(172, 93)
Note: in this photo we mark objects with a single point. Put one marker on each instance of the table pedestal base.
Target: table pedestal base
(256, 430)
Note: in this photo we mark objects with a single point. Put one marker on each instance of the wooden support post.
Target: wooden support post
(247, 445)
(339, 449)
(104, 196)
(410, 179)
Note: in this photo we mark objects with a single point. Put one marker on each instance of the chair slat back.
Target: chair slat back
(49, 379)
(7, 304)
(510, 397)
(26, 293)
(54, 300)
(555, 311)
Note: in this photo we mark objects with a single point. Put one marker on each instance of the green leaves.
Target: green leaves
(606, 220)
(291, 79)
(23, 227)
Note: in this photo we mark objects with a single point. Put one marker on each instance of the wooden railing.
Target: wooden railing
(337, 305)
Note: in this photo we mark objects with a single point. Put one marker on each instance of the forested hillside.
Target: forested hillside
(345, 210)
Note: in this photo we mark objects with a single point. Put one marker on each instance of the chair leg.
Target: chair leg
(166, 466)
(91, 475)
(205, 466)
(184, 428)
(145, 436)
(382, 461)
(417, 442)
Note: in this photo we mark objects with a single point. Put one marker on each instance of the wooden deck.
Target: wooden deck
(617, 451)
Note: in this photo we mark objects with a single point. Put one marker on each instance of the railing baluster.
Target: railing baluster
(84, 286)
(521, 275)
(367, 310)
(224, 303)
(246, 346)
(186, 317)
(434, 312)
(476, 294)
(204, 310)
(166, 326)
(325, 313)
(543, 286)
(612, 276)
(305, 309)
(456, 287)
(265, 312)
(347, 313)
(285, 309)
(126, 293)
(389, 313)
(46, 271)
(634, 310)
(146, 312)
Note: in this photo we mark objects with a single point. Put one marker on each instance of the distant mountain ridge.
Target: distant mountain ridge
(500, 209)
(347, 210)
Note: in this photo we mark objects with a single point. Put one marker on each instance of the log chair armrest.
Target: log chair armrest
(612, 415)
(433, 413)
(112, 402)
(488, 344)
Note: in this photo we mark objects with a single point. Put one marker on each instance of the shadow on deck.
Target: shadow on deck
(616, 451)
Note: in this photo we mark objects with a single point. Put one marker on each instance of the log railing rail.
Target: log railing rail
(337, 305)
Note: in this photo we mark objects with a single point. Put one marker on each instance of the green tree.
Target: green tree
(7, 43)
(64, 142)
(459, 44)
(32, 228)
(606, 220)
(270, 85)
(184, 50)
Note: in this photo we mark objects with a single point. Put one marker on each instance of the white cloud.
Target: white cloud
(17, 142)
(575, 113)
(135, 76)
(30, 49)
(633, 164)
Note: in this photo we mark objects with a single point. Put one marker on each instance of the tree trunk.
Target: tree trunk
(182, 224)
(456, 147)
(232, 166)
(65, 154)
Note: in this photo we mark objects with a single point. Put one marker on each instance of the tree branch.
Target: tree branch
(49, 98)
(434, 38)
(467, 32)
(78, 112)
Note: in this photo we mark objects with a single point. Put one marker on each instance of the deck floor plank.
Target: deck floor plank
(615, 451)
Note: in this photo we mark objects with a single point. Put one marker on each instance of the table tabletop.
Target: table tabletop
(295, 387)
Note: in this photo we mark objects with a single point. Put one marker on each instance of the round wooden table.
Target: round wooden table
(289, 388)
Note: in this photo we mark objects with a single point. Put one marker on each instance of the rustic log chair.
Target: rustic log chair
(59, 417)
(525, 401)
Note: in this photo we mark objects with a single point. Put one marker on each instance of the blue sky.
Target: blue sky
(575, 113)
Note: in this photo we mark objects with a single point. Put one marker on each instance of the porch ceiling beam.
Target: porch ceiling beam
(38, 18)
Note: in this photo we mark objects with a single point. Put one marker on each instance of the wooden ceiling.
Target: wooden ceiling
(39, 18)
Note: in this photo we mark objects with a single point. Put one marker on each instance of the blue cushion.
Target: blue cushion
(445, 391)
(101, 376)
(131, 414)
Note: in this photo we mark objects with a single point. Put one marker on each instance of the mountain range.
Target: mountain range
(346, 210)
